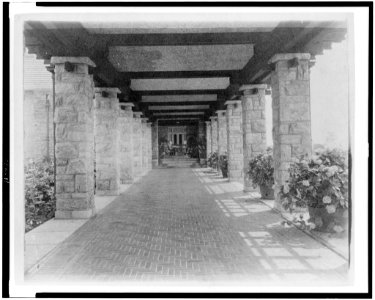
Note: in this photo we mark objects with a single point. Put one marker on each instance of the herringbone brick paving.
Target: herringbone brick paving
(189, 224)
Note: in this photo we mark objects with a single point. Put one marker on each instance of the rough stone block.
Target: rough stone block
(76, 166)
(297, 88)
(81, 183)
(258, 126)
(66, 151)
(65, 115)
(66, 186)
(290, 139)
(295, 112)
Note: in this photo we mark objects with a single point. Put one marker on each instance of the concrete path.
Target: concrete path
(190, 224)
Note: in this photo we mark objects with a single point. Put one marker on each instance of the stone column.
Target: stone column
(253, 126)
(214, 147)
(106, 132)
(126, 143)
(144, 145)
(149, 146)
(290, 82)
(155, 144)
(137, 144)
(208, 139)
(201, 141)
(74, 144)
(222, 143)
(235, 140)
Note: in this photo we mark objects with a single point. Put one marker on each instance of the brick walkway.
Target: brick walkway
(189, 224)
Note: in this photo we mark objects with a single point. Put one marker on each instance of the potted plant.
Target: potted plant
(319, 183)
(223, 163)
(261, 173)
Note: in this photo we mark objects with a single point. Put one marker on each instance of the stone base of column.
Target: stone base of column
(75, 214)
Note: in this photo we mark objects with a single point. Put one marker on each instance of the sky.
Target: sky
(329, 98)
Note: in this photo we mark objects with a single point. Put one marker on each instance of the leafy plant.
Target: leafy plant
(213, 160)
(40, 202)
(321, 184)
(261, 169)
(223, 163)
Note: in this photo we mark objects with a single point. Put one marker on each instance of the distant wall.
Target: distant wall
(38, 124)
(37, 109)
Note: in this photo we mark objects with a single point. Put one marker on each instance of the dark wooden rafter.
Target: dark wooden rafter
(178, 92)
(147, 104)
(181, 74)
(72, 39)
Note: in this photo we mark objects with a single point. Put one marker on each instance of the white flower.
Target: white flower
(305, 183)
(286, 188)
(331, 209)
(331, 171)
(338, 228)
(327, 199)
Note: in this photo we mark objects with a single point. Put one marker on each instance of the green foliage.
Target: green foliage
(223, 163)
(40, 202)
(261, 169)
(212, 160)
(317, 182)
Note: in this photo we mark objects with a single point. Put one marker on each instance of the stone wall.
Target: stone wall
(222, 143)
(290, 84)
(144, 145)
(235, 140)
(214, 146)
(126, 143)
(137, 145)
(74, 118)
(106, 131)
(208, 139)
(38, 124)
(155, 144)
(253, 126)
(149, 146)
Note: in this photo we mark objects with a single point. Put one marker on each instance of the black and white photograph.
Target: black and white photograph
(189, 149)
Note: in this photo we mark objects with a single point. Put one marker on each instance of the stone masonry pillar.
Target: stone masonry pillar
(149, 146)
(74, 144)
(222, 142)
(155, 144)
(107, 145)
(144, 145)
(208, 139)
(235, 140)
(290, 82)
(201, 140)
(126, 143)
(137, 144)
(214, 147)
(253, 126)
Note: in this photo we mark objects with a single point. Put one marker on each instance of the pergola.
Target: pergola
(219, 75)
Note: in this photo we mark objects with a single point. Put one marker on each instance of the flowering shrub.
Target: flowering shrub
(261, 169)
(40, 202)
(213, 160)
(223, 163)
(321, 184)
